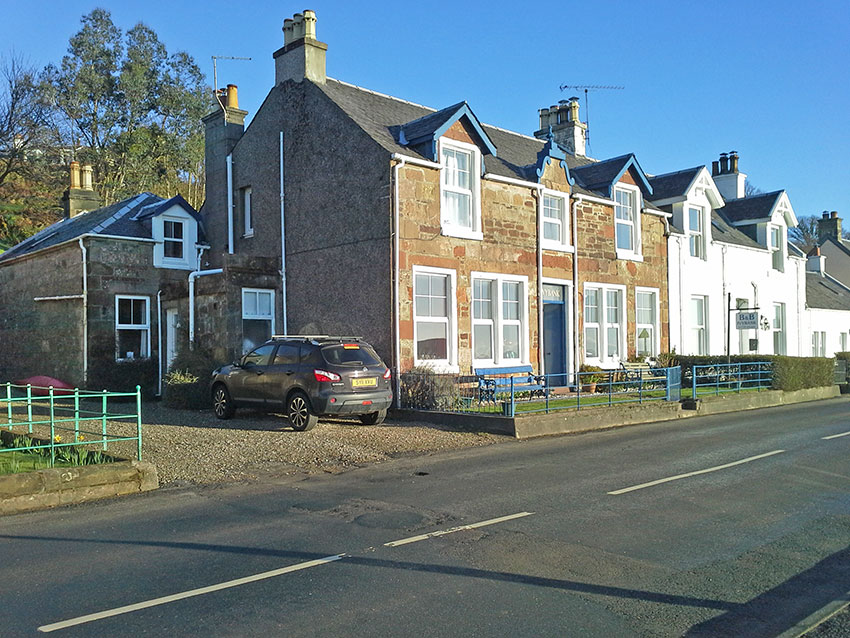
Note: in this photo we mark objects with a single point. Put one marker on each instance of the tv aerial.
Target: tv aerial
(586, 88)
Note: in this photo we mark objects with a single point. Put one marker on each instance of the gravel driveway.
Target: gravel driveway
(194, 446)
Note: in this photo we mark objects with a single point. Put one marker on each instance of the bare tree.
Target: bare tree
(805, 234)
(22, 116)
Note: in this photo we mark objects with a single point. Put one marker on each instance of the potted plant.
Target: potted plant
(589, 376)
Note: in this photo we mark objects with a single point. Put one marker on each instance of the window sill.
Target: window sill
(629, 255)
(247, 235)
(174, 265)
(561, 248)
(463, 233)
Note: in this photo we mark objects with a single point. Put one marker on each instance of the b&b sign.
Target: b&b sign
(747, 321)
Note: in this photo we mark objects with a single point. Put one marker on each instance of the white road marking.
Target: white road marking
(422, 537)
(706, 471)
(835, 436)
(187, 594)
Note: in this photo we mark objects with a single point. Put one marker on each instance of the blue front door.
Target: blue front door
(555, 335)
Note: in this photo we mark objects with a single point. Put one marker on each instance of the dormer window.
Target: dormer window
(696, 232)
(556, 229)
(776, 244)
(627, 222)
(459, 186)
(172, 235)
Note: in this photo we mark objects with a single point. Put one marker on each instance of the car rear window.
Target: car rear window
(354, 354)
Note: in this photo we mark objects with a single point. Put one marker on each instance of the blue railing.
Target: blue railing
(424, 390)
(730, 377)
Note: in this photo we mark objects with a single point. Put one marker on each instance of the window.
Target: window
(499, 318)
(604, 323)
(843, 340)
(132, 328)
(260, 356)
(776, 248)
(434, 316)
(779, 328)
(257, 317)
(646, 311)
(627, 222)
(699, 324)
(459, 189)
(247, 212)
(696, 235)
(556, 233)
(818, 344)
(172, 235)
(287, 354)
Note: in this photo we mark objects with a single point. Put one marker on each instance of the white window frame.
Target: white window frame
(842, 341)
(563, 243)
(818, 343)
(656, 336)
(247, 211)
(171, 240)
(634, 253)
(701, 343)
(450, 363)
(448, 226)
(499, 322)
(190, 236)
(781, 330)
(777, 260)
(604, 360)
(258, 316)
(143, 327)
(696, 238)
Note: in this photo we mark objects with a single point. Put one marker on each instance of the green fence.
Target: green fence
(72, 419)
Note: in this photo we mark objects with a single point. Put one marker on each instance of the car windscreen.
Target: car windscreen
(350, 354)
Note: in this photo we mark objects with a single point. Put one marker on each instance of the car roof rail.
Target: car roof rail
(316, 337)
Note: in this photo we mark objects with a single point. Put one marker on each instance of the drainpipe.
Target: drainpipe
(578, 199)
(541, 363)
(282, 242)
(159, 342)
(727, 326)
(192, 276)
(85, 312)
(229, 162)
(680, 243)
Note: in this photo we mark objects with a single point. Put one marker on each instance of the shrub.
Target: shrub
(590, 374)
(789, 373)
(187, 383)
(424, 389)
(124, 376)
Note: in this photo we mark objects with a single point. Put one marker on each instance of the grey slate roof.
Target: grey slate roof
(600, 174)
(382, 116)
(427, 124)
(672, 184)
(750, 208)
(825, 293)
(115, 219)
(723, 231)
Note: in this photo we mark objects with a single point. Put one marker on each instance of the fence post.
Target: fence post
(29, 407)
(716, 382)
(578, 390)
(513, 407)
(139, 419)
(610, 385)
(9, 404)
(103, 419)
(694, 382)
(640, 386)
(76, 415)
(52, 430)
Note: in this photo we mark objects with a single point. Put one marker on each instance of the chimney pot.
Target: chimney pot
(724, 163)
(733, 162)
(232, 97)
(825, 214)
(75, 174)
(715, 168)
(309, 24)
(833, 214)
(287, 31)
(87, 177)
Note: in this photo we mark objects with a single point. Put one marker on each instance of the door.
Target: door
(246, 382)
(554, 335)
(282, 374)
(170, 336)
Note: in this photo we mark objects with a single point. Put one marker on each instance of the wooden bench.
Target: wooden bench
(493, 382)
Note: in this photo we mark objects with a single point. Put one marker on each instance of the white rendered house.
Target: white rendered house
(725, 251)
(827, 309)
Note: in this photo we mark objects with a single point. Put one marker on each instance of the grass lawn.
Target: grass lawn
(14, 462)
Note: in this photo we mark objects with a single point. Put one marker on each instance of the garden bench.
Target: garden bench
(497, 381)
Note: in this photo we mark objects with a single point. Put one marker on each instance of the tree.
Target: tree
(133, 111)
(751, 189)
(805, 234)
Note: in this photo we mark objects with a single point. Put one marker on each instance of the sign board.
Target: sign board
(747, 321)
(553, 293)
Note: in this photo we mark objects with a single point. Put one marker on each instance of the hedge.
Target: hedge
(789, 373)
(187, 384)
(124, 376)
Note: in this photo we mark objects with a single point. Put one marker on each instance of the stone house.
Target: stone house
(98, 289)
(445, 242)
(731, 251)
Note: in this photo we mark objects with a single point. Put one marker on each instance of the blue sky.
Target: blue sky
(769, 78)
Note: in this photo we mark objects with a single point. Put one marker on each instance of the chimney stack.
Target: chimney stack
(569, 132)
(80, 196)
(302, 56)
(729, 180)
(815, 262)
(829, 226)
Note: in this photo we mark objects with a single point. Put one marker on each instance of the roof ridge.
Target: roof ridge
(131, 202)
(684, 170)
(391, 97)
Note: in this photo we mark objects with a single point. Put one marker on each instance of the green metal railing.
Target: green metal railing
(82, 416)
(717, 378)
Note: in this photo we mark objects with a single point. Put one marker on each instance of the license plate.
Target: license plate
(370, 382)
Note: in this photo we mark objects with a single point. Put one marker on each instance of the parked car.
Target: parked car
(306, 377)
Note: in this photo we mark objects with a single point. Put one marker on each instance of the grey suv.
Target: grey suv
(306, 377)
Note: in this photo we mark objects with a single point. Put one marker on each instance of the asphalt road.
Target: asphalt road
(733, 525)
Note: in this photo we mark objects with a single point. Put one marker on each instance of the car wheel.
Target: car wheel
(222, 403)
(373, 418)
(298, 411)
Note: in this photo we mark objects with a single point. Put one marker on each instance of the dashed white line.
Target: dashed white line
(443, 532)
(706, 471)
(835, 436)
(187, 594)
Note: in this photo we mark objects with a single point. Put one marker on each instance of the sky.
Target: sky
(768, 78)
